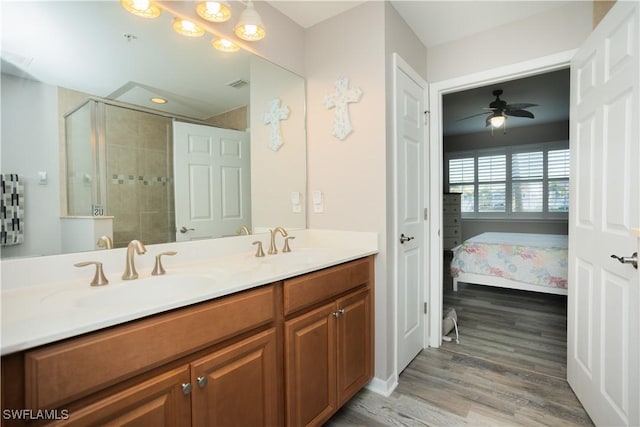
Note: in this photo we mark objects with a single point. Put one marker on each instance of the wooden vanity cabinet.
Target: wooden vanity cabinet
(328, 340)
(289, 353)
(238, 385)
(234, 386)
(178, 368)
(155, 402)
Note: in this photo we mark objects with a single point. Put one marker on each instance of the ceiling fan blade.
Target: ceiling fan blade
(521, 106)
(519, 113)
(475, 115)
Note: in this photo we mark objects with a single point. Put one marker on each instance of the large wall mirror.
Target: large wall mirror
(80, 129)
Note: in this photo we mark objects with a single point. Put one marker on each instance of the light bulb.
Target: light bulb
(225, 45)
(187, 28)
(143, 8)
(214, 11)
(497, 121)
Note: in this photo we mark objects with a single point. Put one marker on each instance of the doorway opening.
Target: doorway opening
(482, 84)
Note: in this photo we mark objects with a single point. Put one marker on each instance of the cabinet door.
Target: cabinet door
(310, 366)
(237, 385)
(155, 402)
(354, 344)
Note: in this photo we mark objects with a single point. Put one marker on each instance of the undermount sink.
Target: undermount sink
(298, 256)
(138, 293)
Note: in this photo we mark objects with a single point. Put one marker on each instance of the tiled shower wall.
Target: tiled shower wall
(139, 176)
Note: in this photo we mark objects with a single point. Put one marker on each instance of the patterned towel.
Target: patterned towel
(11, 210)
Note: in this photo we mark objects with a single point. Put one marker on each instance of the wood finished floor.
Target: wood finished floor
(508, 370)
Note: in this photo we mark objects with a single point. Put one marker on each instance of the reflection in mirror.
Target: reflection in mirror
(76, 107)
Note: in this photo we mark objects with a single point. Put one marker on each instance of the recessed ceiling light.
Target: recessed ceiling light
(158, 100)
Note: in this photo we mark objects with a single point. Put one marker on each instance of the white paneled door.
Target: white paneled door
(603, 357)
(212, 181)
(409, 246)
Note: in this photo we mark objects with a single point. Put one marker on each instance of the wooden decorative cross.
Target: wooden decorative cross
(273, 118)
(341, 99)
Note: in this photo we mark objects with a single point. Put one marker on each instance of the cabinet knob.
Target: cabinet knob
(186, 388)
(202, 381)
(338, 313)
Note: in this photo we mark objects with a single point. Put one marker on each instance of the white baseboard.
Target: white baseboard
(382, 387)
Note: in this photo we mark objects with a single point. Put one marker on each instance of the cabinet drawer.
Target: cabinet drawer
(316, 287)
(447, 209)
(451, 242)
(451, 219)
(451, 232)
(60, 373)
(451, 198)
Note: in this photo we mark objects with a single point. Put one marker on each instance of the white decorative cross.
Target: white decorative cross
(340, 99)
(273, 117)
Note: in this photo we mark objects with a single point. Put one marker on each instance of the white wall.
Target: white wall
(351, 173)
(551, 32)
(42, 204)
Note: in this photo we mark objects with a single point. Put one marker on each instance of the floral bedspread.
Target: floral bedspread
(539, 259)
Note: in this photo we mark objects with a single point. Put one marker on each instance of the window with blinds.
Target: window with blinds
(522, 181)
(462, 175)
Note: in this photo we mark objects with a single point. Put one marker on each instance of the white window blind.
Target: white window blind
(492, 174)
(558, 163)
(527, 170)
(462, 175)
(519, 181)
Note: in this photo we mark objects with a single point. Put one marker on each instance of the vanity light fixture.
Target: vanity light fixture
(225, 45)
(187, 28)
(158, 100)
(143, 8)
(214, 11)
(249, 26)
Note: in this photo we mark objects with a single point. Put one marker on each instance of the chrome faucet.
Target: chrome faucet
(272, 244)
(130, 272)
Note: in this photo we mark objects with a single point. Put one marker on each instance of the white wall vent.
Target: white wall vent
(238, 83)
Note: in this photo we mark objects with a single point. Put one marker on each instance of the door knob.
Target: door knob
(404, 238)
(633, 259)
(184, 229)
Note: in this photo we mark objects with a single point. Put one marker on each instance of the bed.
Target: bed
(532, 262)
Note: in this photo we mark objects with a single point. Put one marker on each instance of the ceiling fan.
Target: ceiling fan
(499, 109)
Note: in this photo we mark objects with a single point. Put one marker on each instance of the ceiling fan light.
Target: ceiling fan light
(214, 11)
(225, 45)
(143, 8)
(250, 26)
(187, 28)
(497, 120)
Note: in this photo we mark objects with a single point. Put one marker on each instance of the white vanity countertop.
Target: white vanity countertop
(40, 308)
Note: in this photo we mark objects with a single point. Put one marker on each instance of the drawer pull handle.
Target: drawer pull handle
(186, 388)
(202, 381)
(338, 313)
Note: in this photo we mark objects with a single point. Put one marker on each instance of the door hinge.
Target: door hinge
(426, 117)
(426, 214)
(426, 307)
